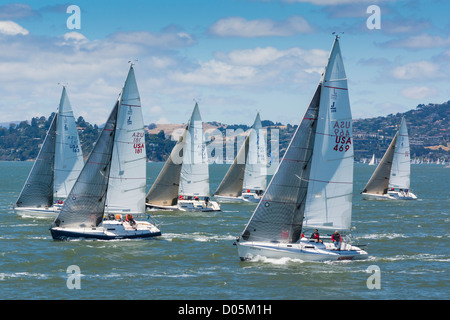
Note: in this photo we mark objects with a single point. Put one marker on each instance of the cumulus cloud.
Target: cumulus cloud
(10, 28)
(419, 92)
(15, 11)
(160, 40)
(416, 70)
(254, 67)
(241, 27)
(420, 41)
(94, 70)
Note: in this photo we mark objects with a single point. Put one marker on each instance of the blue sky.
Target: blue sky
(235, 57)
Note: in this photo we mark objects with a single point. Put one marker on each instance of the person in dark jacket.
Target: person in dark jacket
(336, 237)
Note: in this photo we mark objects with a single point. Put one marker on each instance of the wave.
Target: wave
(197, 236)
(7, 276)
(427, 257)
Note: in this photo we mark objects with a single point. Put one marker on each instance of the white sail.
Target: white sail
(68, 154)
(127, 182)
(401, 166)
(194, 179)
(330, 188)
(255, 177)
(372, 161)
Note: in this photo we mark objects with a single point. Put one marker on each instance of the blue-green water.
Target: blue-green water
(195, 257)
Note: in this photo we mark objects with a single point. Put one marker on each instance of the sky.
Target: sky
(234, 57)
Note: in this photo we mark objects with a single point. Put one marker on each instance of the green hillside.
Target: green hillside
(428, 130)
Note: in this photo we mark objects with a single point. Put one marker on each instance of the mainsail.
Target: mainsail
(84, 207)
(127, 182)
(279, 214)
(164, 191)
(232, 183)
(38, 189)
(68, 154)
(194, 179)
(314, 178)
(255, 177)
(401, 163)
(379, 182)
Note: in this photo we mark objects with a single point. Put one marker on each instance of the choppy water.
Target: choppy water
(195, 258)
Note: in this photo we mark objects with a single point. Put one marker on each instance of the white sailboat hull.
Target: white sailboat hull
(109, 230)
(189, 205)
(39, 213)
(246, 197)
(391, 195)
(305, 251)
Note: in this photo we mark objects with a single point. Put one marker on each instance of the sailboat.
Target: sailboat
(246, 179)
(85, 213)
(391, 179)
(372, 161)
(56, 168)
(313, 184)
(183, 183)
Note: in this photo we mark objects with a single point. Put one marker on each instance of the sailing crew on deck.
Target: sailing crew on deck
(336, 237)
(130, 220)
(315, 235)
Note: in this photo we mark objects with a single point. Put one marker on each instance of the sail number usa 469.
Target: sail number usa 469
(343, 138)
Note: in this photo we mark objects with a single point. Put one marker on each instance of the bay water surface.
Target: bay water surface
(195, 259)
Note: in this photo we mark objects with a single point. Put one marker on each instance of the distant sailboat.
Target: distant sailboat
(391, 179)
(372, 161)
(246, 179)
(83, 213)
(313, 184)
(56, 168)
(183, 183)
